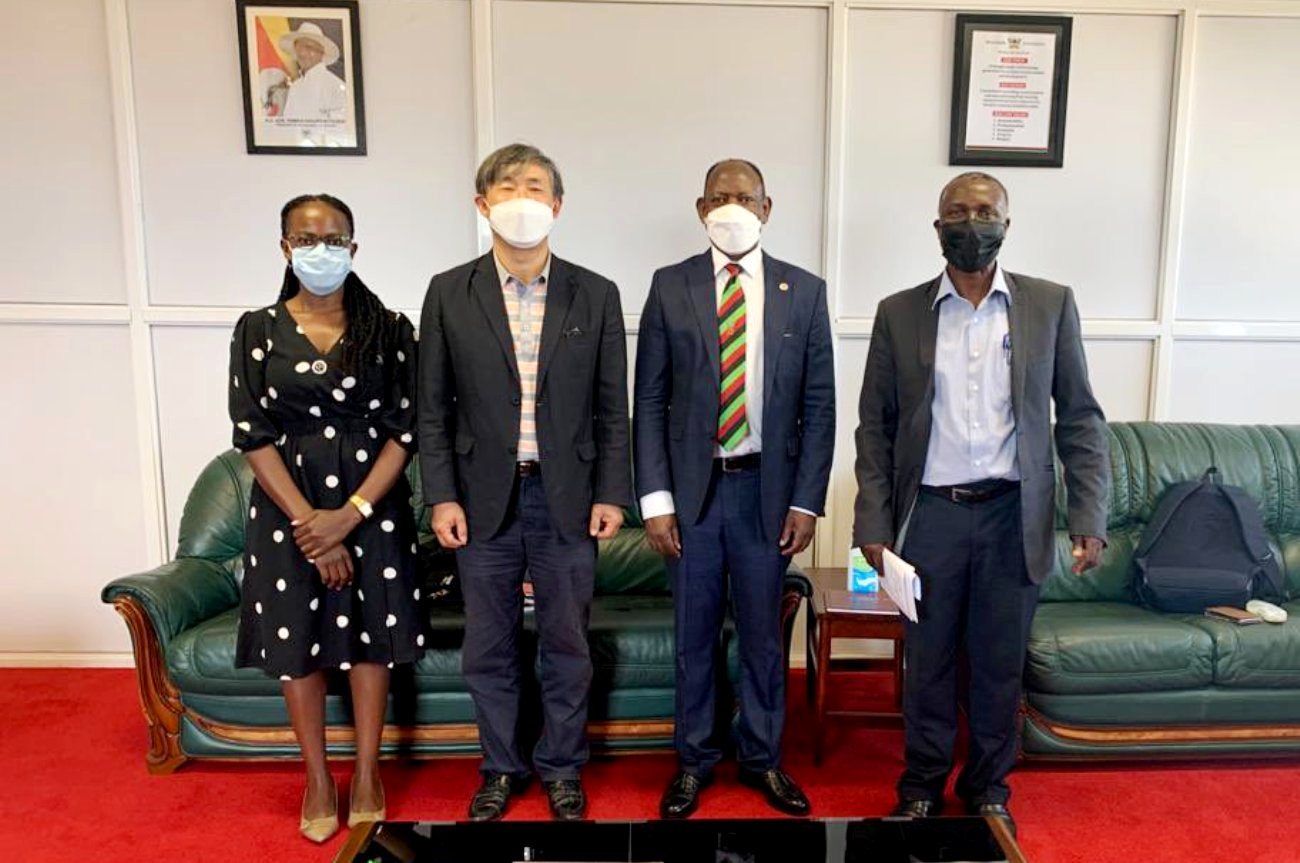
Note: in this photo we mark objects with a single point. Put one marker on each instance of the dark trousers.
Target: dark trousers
(976, 594)
(563, 574)
(727, 545)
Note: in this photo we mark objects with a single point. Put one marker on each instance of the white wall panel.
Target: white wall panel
(1120, 372)
(1094, 224)
(1243, 180)
(73, 506)
(190, 364)
(635, 101)
(212, 211)
(58, 167)
(1236, 382)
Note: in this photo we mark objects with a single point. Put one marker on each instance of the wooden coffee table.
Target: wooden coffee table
(877, 617)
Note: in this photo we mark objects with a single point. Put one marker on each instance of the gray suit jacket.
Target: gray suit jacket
(1047, 363)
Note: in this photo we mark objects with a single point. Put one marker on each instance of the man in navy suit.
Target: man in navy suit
(733, 433)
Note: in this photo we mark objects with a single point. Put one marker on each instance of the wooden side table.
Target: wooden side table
(877, 618)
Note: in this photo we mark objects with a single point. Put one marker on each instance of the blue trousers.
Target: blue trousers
(563, 575)
(727, 546)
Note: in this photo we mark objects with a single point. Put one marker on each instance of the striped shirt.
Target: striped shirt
(525, 308)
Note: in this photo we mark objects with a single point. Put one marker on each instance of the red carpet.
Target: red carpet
(78, 790)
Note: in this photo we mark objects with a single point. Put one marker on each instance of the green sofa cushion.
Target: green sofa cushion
(1207, 705)
(1259, 656)
(1110, 647)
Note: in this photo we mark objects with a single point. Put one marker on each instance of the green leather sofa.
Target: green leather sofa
(183, 615)
(1109, 678)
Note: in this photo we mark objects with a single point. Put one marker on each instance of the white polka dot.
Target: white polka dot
(341, 621)
(283, 439)
(264, 403)
(390, 621)
(257, 606)
(332, 481)
(278, 536)
(245, 426)
(358, 550)
(374, 435)
(258, 354)
(272, 393)
(345, 666)
(419, 640)
(406, 403)
(413, 548)
(315, 649)
(314, 410)
(271, 312)
(362, 456)
(361, 594)
(390, 573)
(401, 357)
(283, 632)
(390, 665)
(268, 345)
(299, 330)
(302, 367)
(386, 526)
(298, 459)
(329, 432)
(235, 379)
(417, 594)
(365, 638)
(374, 404)
(281, 585)
(264, 653)
(252, 512)
(252, 559)
(415, 337)
(349, 382)
(406, 437)
(339, 395)
(315, 603)
(285, 677)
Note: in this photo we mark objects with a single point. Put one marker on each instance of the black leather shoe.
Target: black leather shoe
(994, 810)
(567, 799)
(683, 795)
(490, 800)
(910, 809)
(781, 791)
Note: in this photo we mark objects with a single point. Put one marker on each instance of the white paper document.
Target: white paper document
(902, 584)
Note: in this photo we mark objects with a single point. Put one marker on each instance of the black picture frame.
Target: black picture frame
(1053, 155)
(337, 22)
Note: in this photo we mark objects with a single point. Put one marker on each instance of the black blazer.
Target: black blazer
(469, 396)
(677, 380)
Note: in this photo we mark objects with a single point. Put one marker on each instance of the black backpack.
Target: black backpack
(1206, 545)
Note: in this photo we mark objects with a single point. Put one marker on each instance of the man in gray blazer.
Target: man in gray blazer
(955, 473)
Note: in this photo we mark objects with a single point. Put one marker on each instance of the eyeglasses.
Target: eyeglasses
(306, 241)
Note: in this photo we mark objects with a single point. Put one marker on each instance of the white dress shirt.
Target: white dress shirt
(319, 96)
(658, 503)
(973, 426)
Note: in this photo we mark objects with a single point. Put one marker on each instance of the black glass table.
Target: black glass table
(874, 840)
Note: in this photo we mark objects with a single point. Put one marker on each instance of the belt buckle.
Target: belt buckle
(726, 468)
(958, 494)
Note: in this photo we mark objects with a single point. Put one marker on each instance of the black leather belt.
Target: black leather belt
(975, 492)
(736, 464)
(528, 468)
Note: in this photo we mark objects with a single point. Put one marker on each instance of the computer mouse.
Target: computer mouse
(1266, 611)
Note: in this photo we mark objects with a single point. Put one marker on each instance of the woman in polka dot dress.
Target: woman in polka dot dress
(321, 392)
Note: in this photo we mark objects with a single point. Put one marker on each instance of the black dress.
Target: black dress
(328, 424)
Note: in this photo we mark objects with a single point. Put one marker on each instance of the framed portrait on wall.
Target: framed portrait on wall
(301, 66)
(1010, 80)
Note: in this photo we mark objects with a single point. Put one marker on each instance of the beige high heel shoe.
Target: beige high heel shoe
(362, 816)
(320, 829)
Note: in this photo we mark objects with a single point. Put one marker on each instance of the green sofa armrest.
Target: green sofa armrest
(177, 595)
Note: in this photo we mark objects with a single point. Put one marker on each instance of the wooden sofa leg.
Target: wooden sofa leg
(159, 699)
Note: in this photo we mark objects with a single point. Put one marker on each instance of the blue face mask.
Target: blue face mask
(321, 269)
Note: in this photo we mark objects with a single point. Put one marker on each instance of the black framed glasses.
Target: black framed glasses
(306, 241)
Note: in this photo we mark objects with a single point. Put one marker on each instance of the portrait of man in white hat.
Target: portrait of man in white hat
(317, 96)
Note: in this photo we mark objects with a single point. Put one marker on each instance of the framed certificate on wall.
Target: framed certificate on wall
(1010, 80)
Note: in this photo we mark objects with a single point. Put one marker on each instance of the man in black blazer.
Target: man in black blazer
(955, 470)
(734, 429)
(524, 460)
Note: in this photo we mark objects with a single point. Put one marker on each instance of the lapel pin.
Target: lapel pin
(784, 286)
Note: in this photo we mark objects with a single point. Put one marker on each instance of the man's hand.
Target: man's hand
(606, 519)
(448, 523)
(1086, 553)
(322, 529)
(335, 566)
(875, 555)
(797, 532)
(661, 531)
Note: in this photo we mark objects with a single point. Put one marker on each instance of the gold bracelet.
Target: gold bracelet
(363, 506)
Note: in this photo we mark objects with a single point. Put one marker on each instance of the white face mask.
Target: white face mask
(521, 222)
(733, 229)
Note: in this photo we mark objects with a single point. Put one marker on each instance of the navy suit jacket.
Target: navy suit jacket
(675, 427)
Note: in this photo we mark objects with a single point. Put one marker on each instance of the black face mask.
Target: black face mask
(971, 246)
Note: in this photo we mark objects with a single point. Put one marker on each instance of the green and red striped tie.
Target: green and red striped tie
(733, 423)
